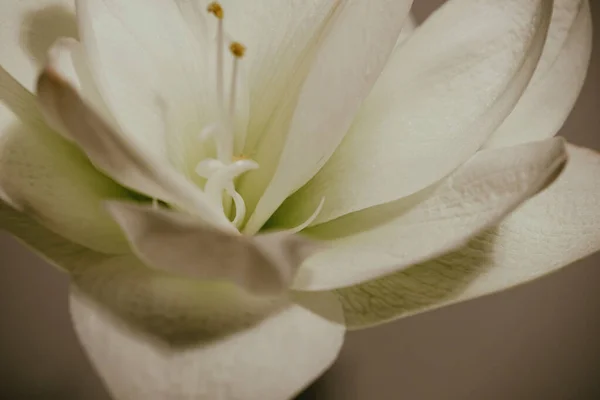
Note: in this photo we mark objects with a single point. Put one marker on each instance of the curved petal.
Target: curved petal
(51, 180)
(557, 81)
(555, 228)
(67, 58)
(116, 155)
(273, 359)
(175, 242)
(382, 240)
(346, 64)
(431, 110)
(27, 29)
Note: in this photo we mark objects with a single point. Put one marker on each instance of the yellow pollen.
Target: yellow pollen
(237, 49)
(215, 9)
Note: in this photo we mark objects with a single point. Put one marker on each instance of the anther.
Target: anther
(237, 49)
(215, 9)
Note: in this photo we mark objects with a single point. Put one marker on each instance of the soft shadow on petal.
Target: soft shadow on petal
(42, 27)
(171, 311)
(420, 288)
(183, 245)
(27, 30)
(381, 240)
(273, 359)
(553, 229)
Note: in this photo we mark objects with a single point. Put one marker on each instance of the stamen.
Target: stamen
(221, 173)
(216, 9)
(238, 50)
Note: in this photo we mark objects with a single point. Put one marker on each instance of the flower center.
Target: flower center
(221, 172)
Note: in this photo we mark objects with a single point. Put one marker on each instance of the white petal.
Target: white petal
(180, 244)
(272, 359)
(53, 181)
(384, 239)
(555, 228)
(347, 63)
(431, 109)
(156, 70)
(39, 172)
(407, 30)
(558, 78)
(133, 55)
(281, 36)
(114, 154)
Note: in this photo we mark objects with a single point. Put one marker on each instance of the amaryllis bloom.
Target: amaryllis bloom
(231, 186)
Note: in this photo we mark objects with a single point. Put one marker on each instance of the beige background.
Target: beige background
(540, 341)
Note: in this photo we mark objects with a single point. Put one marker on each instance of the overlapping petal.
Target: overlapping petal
(557, 81)
(157, 336)
(381, 240)
(249, 363)
(117, 156)
(350, 56)
(178, 243)
(553, 229)
(441, 96)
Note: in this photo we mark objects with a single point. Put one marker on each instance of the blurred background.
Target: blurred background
(539, 341)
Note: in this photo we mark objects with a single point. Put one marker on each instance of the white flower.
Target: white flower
(399, 156)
